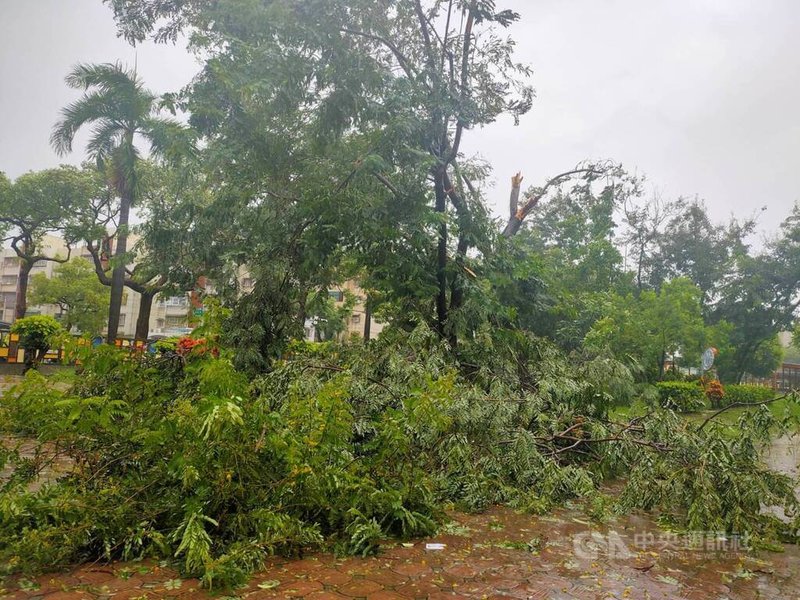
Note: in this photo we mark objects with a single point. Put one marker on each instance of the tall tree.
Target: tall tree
(370, 101)
(167, 249)
(572, 241)
(38, 204)
(121, 111)
(651, 328)
(74, 288)
(644, 225)
(692, 246)
(760, 299)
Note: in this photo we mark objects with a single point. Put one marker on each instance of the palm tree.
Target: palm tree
(120, 111)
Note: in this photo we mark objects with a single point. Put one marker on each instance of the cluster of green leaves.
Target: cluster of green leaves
(748, 297)
(36, 334)
(652, 327)
(713, 477)
(681, 396)
(75, 289)
(747, 394)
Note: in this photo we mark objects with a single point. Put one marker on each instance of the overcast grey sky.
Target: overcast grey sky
(700, 95)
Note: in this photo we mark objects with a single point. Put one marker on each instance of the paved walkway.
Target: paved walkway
(500, 554)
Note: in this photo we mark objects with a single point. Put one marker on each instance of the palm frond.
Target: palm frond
(105, 137)
(91, 107)
(106, 77)
(115, 99)
(168, 138)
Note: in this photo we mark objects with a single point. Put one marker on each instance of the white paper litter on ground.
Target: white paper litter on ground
(435, 546)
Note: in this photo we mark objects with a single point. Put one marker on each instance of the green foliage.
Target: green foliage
(339, 446)
(121, 113)
(570, 247)
(36, 333)
(757, 304)
(713, 478)
(329, 318)
(74, 287)
(681, 396)
(332, 146)
(653, 327)
(38, 204)
(169, 344)
(747, 394)
(694, 247)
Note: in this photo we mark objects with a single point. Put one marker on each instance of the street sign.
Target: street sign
(708, 358)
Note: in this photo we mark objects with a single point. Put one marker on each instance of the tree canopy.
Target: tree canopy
(39, 204)
(81, 298)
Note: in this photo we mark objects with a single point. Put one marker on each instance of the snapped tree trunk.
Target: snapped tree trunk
(21, 306)
(118, 274)
(143, 320)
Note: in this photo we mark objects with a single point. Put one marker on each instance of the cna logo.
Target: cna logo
(591, 545)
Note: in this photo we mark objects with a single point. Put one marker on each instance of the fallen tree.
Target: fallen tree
(181, 456)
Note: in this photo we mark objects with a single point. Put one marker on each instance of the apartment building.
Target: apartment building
(357, 320)
(9, 277)
(169, 316)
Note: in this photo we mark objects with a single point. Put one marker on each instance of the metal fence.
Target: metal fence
(785, 379)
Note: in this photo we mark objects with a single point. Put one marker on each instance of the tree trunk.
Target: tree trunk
(118, 274)
(21, 306)
(143, 320)
(367, 319)
(30, 361)
(33, 358)
(441, 254)
(639, 268)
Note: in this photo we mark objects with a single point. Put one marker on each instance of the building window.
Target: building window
(39, 265)
(122, 320)
(336, 295)
(247, 283)
(9, 262)
(176, 301)
(9, 299)
(9, 280)
(175, 321)
(356, 320)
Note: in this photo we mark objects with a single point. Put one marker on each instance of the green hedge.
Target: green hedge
(681, 396)
(747, 393)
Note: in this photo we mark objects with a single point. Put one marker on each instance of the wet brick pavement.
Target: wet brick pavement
(499, 554)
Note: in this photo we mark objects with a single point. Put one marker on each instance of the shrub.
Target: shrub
(168, 344)
(36, 334)
(681, 396)
(715, 393)
(747, 394)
